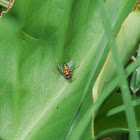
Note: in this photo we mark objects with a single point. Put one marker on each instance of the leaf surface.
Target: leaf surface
(35, 101)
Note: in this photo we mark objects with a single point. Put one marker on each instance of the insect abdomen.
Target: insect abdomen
(68, 77)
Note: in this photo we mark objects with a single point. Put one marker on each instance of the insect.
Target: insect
(66, 69)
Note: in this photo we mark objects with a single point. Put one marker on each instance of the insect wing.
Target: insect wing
(69, 65)
(60, 68)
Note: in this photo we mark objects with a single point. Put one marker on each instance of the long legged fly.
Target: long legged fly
(66, 69)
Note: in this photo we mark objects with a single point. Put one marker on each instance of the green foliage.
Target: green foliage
(115, 48)
(135, 81)
(37, 102)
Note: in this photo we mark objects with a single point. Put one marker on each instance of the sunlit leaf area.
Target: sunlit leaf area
(69, 70)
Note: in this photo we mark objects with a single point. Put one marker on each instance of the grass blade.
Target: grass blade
(121, 108)
(121, 74)
(136, 102)
(106, 132)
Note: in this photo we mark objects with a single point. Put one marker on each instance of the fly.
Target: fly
(66, 69)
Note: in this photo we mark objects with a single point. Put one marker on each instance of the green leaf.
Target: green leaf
(121, 47)
(135, 81)
(126, 49)
(111, 119)
(98, 62)
(35, 101)
(83, 123)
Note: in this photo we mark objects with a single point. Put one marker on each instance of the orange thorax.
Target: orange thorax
(66, 70)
